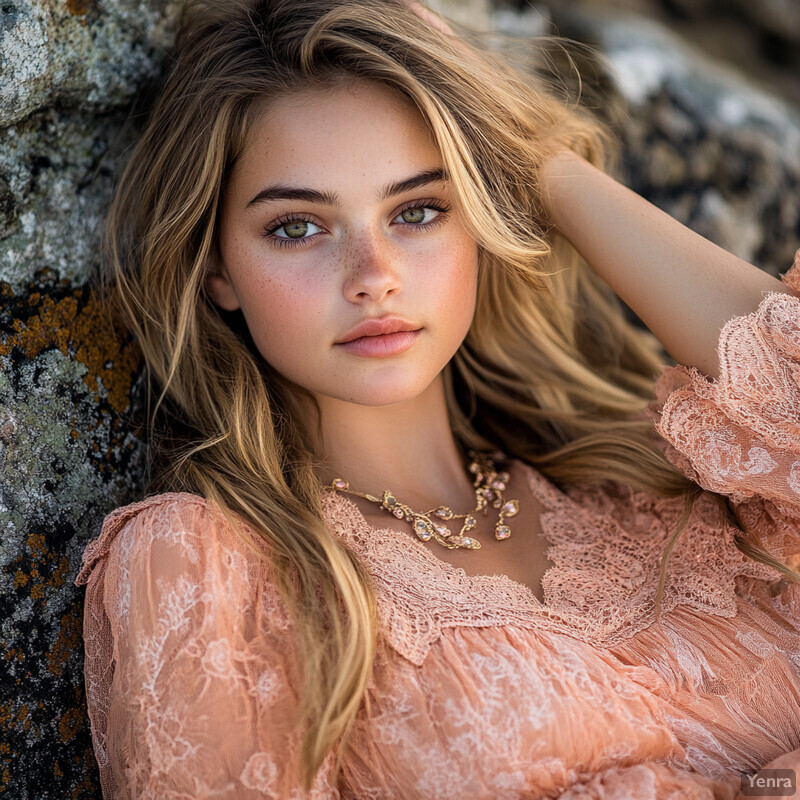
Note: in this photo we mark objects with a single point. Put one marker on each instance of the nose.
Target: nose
(372, 270)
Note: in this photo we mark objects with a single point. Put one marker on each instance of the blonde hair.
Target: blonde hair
(550, 371)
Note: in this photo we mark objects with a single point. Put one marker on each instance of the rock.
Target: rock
(68, 384)
(69, 71)
(69, 455)
(79, 53)
(698, 139)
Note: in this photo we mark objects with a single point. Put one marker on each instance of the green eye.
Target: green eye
(296, 230)
(293, 230)
(413, 215)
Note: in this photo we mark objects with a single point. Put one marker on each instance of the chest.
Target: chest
(522, 557)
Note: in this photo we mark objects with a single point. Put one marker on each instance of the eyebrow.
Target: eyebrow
(332, 199)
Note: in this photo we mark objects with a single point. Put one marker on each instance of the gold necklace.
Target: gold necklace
(489, 487)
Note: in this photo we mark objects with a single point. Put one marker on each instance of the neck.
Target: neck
(406, 447)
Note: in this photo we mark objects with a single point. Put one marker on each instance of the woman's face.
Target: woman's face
(336, 214)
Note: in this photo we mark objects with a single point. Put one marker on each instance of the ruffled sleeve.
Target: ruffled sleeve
(739, 435)
(191, 680)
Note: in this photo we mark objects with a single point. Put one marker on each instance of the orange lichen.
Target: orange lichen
(69, 638)
(86, 787)
(23, 716)
(48, 563)
(85, 334)
(59, 574)
(70, 723)
(12, 653)
(35, 544)
(79, 8)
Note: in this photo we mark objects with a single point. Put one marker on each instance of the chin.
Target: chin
(378, 399)
(385, 393)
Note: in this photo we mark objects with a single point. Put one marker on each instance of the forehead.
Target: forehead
(356, 132)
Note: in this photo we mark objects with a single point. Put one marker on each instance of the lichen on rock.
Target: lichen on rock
(69, 454)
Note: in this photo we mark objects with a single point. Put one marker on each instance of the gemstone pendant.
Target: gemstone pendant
(465, 542)
(502, 532)
(340, 483)
(510, 508)
(423, 529)
(442, 530)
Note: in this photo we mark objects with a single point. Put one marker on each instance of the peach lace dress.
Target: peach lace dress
(480, 691)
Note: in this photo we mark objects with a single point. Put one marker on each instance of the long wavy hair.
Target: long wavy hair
(550, 371)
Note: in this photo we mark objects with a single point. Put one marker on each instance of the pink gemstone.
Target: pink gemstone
(340, 484)
(510, 508)
(502, 532)
(398, 512)
(499, 485)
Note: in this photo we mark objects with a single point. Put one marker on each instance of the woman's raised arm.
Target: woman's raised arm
(682, 286)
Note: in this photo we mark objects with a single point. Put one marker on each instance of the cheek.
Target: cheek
(278, 314)
(463, 277)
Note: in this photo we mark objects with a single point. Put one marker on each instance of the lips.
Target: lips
(378, 327)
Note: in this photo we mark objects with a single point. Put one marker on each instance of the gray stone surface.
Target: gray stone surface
(78, 53)
(473, 13)
(68, 452)
(721, 153)
(68, 71)
(699, 139)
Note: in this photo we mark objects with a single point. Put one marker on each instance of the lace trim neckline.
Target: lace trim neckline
(550, 497)
(600, 588)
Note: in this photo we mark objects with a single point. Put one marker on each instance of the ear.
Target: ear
(219, 287)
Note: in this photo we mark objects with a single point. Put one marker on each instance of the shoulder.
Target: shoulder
(189, 527)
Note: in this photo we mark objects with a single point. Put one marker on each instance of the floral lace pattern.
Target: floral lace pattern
(479, 689)
(600, 590)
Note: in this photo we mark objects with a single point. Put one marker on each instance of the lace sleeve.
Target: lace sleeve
(652, 781)
(740, 435)
(190, 683)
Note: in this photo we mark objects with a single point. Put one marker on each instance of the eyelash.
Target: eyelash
(280, 241)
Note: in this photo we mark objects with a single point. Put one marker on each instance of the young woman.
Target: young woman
(426, 528)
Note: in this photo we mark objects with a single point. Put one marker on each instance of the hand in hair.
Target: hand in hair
(682, 286)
